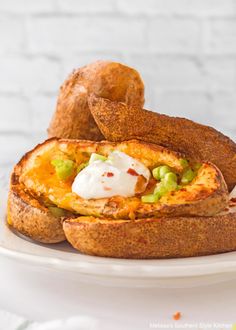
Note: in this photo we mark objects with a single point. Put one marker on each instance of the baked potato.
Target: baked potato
(169, 237)
(205, 195)
(158, 233)
(72, 118)
(30, 216)
(118, 122)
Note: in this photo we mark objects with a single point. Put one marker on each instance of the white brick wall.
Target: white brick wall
(184, 49)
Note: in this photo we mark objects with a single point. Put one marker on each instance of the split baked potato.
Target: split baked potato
(205, 195)
(42, 206)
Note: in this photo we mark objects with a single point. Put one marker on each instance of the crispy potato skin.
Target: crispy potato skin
(152, 238)
(72, 118)
(30, 217)
(205, 196)
(164, 237)
(118, 122)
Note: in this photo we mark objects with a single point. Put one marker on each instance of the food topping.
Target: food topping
(141, 184)
(184, 162)
(106, 188)
(64, 168)
(117, 174)
(109, 174)
(160, 190)
(82, 166)
(94, 157)
(151, 198)
(56, 211)
(131, 171)
(168, 180)
(197, 166)
(164, 170)
(121, 175)
(187, 176)
(160, 171)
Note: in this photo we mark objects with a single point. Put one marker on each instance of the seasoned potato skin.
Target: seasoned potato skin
(118, 122)
(30, 217)
(172, 237)
(163, 237)
(72, 118)
(206, 195)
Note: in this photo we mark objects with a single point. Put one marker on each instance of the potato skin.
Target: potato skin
(164, 237)
(72, 118)
(118, 122)
(206, 196)
(153, 238)
(29, 217)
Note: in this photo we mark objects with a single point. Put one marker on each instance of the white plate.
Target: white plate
(109, 271)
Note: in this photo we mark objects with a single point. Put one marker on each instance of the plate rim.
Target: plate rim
(147, 271)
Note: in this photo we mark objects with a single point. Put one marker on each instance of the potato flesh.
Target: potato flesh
(39, 178)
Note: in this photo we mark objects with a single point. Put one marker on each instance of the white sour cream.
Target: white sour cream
(118, 175)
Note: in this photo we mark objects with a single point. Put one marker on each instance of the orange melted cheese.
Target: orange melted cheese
(41, 180)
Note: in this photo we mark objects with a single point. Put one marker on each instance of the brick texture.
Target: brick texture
(185, 51)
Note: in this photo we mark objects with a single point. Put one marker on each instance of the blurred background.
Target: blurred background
(185, 51)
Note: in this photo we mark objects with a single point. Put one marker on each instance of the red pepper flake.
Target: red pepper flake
(110, 174)
(131, 171)
(226, 209)
(233, 200)
(177, 316)
(106, 188)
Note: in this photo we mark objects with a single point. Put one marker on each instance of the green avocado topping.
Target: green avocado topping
(64, 168)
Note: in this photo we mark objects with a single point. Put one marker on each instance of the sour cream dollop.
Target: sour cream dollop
(118, 175)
